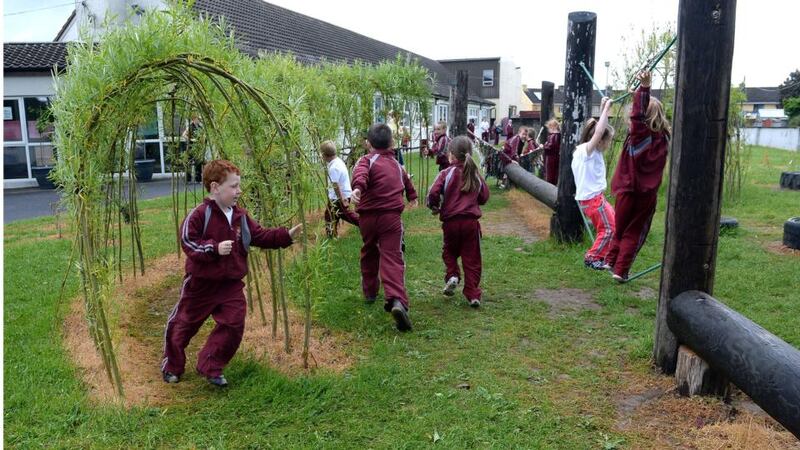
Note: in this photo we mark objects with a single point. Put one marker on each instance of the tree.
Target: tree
(791, 106)
(790, 87)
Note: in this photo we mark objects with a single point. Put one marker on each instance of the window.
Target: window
(38, 119)
(441, 113)
(14, 163)
(377, 109)
(488, 77)
(12, 129)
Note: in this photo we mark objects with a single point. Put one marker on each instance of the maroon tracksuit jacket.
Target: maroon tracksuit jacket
(439, 149)
(509, 130)
(213, 285)
(459, 212)
(635, 183)
(552, 150)
(511, 149)
(382, 183)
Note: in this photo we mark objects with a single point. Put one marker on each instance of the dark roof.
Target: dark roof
(34, 56)
(533, 95)
(264, 27)
(495, 58)
(763, 95)
(65, 26)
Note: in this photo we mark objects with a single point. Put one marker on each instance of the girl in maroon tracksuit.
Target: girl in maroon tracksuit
(440, 142)
(378, 187)
(638, 177)
(456, 196)
(552, 150)
(216, 237)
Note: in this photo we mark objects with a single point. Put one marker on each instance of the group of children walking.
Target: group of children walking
(217, 234)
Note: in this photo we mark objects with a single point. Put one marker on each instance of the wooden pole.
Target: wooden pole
(697, 157)
(566, 224)
(547, 107)
(460, 100)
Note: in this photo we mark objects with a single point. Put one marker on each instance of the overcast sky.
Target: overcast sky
(531, 33)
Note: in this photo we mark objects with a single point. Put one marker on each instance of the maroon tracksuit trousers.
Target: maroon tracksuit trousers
(462, 238)
(225, 301)
(337, 211)
(382, 254)
(634, 214)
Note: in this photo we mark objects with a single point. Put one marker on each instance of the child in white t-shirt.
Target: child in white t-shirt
(339, 190)
(589, 171)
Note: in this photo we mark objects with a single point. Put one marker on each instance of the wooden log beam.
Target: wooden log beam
(540, 190)
(566, 224)
(762, 365)
(697, 157)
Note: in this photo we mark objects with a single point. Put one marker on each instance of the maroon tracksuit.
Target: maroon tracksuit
(635, 184)
(382, 183)
(471, 131)
(511, 150)
(459, 212)
(440, 150)
(552, 150)
(213, 285)
(509, 130)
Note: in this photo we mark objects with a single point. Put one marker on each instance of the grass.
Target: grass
(536, 380)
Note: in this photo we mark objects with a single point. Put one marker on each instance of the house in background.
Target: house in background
(258, 27)
(27, 89)
(497, 80)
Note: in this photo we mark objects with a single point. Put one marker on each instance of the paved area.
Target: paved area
(29, 203)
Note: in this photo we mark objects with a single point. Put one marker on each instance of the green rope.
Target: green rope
(650, 67)
(642, 273)
(586, 71)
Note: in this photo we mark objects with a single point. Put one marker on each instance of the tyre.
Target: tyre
(791, 233)
(790, 180)
(728, 223)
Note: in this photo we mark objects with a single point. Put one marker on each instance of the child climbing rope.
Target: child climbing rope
(637, 177)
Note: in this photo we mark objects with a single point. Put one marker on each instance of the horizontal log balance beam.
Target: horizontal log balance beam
(540, 190)
(760, 364)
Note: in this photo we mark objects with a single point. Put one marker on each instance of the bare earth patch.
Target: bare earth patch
(516, 221)
(566, 300)
(533, 212)
(650, 409)
(778, 248)
(143, 304)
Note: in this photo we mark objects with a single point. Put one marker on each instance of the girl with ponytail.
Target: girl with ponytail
(456, 196)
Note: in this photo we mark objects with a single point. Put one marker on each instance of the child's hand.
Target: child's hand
(414, 203)
(645, 77)
(355, 196)
(225, 247)
(295, 230)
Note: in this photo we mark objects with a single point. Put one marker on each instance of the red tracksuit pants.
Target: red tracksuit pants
(225, 301)
(634, 213)
(600, 212)
(382, 254)
(462, 238)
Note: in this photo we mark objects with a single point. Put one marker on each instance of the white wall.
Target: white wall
(510, 88)
(27, 85)
(785, 138)
(90, 14)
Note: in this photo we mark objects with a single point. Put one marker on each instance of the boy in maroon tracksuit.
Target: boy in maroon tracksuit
(456, 196)
(638, 177)
(552, 150)
(378, 186)
(216, 237)
(512, 148)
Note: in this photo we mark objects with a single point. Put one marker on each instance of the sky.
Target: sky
(531, 33)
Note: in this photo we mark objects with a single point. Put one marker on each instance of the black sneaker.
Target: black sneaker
(400, 316)
(596, 265)
(475, 303)
(369, 300)
(219, 381)
(170, 377)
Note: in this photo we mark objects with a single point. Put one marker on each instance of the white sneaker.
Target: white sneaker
(450, 286)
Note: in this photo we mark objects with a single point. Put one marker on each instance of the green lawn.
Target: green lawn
(536, 380)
